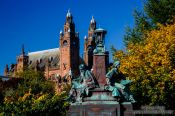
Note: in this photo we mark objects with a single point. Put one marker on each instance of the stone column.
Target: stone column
(100, 62)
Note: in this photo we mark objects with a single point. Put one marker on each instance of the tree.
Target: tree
(155, 11)
(150, 65)
(160, 11)
(33, 95)
(136, 34)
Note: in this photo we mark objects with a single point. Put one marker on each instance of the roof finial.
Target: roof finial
(6, 70)
(22, 50)
(61, 32)
(69, 13)
(92, 20)
(6, 67)
(85, 37)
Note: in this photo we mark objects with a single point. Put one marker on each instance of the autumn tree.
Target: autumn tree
(155, 11)
(151, 66)
(33, 95)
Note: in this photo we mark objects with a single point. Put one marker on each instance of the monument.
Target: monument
(98, 92)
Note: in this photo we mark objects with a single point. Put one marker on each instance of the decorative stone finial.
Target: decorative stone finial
(92, 20)
(22, 50)
(69, 14)
(61, 32)
(85, 37)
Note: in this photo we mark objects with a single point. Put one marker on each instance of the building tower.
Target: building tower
(6, 70)
(89, 44)
(69, 47)
(22, 61)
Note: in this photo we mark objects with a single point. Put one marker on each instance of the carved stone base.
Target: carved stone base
(99, 94)
(126, 109)
(101, 109)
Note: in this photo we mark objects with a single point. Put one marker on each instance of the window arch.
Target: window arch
(65, 42)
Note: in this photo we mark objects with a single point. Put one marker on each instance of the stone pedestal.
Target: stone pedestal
(100, 103)
(98, 108)
(126, 109)
(99, 94)
(100, 62)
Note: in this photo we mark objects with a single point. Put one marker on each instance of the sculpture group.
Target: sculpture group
(116, 83)
(97, 91)
(81, 84)
(95, 85)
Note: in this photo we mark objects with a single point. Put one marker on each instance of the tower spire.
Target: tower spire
(69, 13)
(69, 18)
(92, 26)
(6, 70)
(69, 47)
(69, 24)
(22, 60)
(22, 50)
(93, 20)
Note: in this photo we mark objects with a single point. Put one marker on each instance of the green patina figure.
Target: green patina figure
(81, 85)
(118, 85)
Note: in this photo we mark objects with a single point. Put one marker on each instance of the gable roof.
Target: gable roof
(43, 57)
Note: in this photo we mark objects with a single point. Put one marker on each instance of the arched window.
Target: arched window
(64, 42)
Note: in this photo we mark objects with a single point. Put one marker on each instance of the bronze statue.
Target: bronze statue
(81, 85)
(118, 84)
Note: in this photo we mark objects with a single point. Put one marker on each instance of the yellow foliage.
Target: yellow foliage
(149, 64)
(41, 98)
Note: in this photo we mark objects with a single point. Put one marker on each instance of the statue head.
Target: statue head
(116, 64)
(81, 67)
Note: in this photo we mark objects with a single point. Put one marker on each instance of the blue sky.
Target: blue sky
(37, 23)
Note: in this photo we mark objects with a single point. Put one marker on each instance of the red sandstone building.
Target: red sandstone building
(58, 61)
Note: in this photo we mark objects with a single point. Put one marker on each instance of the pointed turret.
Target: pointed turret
(69, 17)
(92, 26)
(6, 70)
(22, 50)
(22, 60)
(69, 47)
(93, 20)
(69, 26)
(69, 14)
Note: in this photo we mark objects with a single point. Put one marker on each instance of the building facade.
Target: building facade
(58, 61)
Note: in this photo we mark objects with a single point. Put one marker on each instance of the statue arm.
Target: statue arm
(89, 79)
(108, 76)
(111, 73)
(120, 86)
(90, 76)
